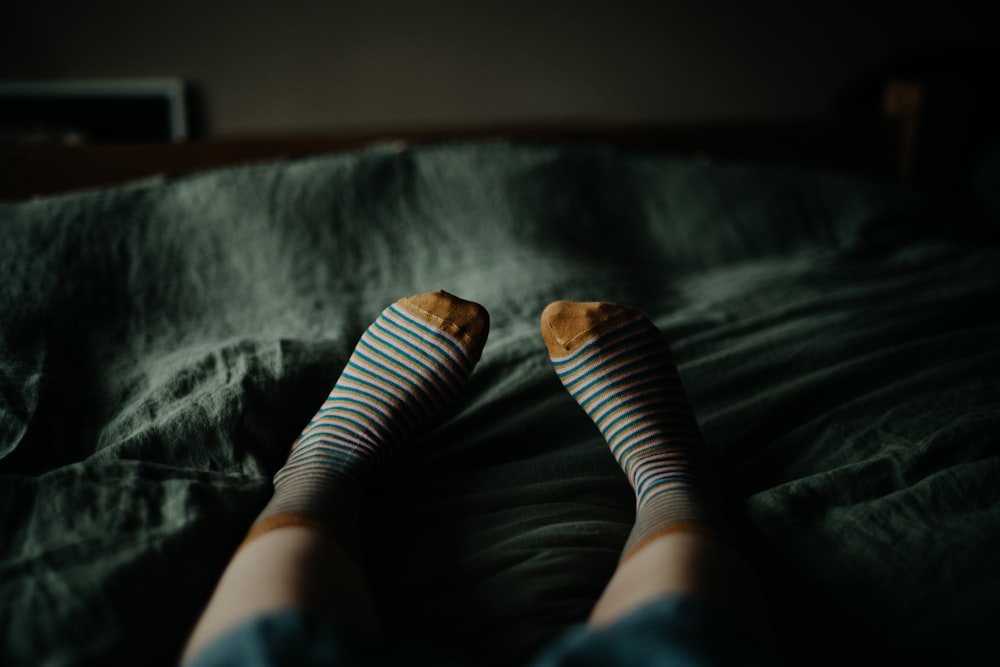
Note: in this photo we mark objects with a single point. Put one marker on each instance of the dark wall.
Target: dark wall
(314, 65)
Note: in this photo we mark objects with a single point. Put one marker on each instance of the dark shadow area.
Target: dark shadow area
(956, 137)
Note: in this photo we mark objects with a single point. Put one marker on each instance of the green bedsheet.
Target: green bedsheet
(162, 343)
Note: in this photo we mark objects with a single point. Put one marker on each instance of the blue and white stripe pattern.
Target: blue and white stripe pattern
(402, 372)
(625, 379)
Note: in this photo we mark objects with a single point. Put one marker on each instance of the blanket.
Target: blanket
(163, 342)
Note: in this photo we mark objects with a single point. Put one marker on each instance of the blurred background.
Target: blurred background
(250, 67)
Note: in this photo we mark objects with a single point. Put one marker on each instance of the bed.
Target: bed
(164, 338)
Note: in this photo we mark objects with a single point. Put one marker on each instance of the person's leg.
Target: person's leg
(291, 568)
(302, 550)
(619, 368)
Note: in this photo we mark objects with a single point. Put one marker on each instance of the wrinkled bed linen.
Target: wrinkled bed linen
(161, 344)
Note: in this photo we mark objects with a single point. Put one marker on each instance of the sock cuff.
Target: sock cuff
(272, 523)
(692, 527)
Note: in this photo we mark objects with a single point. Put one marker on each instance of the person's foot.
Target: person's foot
(618, 367)
(411, 363)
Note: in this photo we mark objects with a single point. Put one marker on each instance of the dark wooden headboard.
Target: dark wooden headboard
(878, 146)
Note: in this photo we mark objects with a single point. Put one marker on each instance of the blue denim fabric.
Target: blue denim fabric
(676, 631)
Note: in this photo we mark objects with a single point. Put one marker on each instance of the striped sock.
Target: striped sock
(619, 368)
(409, 365)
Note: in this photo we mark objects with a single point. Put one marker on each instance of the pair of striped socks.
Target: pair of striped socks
(413, 362)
